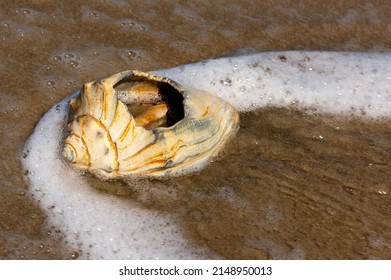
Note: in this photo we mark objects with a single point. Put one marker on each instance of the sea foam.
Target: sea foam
(334, 82)
(104, 226)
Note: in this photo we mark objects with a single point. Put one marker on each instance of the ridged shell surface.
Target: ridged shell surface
(179, 131)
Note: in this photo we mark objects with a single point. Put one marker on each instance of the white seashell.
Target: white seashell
(174, 130)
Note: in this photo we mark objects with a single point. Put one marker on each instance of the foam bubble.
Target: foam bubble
(333, 82)
(103, 226)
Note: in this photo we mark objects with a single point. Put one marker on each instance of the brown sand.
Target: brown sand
(295, 186)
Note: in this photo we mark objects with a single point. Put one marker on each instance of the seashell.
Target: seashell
(134, 123)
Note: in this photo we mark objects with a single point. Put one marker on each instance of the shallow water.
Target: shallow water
(295, 186)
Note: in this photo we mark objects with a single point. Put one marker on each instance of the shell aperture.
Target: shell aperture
(138, 124)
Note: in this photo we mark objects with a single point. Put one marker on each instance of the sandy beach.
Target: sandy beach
(278, 192)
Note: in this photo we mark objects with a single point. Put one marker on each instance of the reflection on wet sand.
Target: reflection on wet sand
(314, 187)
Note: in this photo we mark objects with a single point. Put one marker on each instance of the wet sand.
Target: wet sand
(296, 185)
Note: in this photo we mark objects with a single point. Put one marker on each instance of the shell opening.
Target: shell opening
(146, 98)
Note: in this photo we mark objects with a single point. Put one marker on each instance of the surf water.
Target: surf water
(104, 226)
(330, 82)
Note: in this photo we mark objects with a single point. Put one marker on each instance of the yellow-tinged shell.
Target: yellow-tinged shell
(134, 123)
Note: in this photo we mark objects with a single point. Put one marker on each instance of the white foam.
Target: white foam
(334, 82)
(108, 227)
